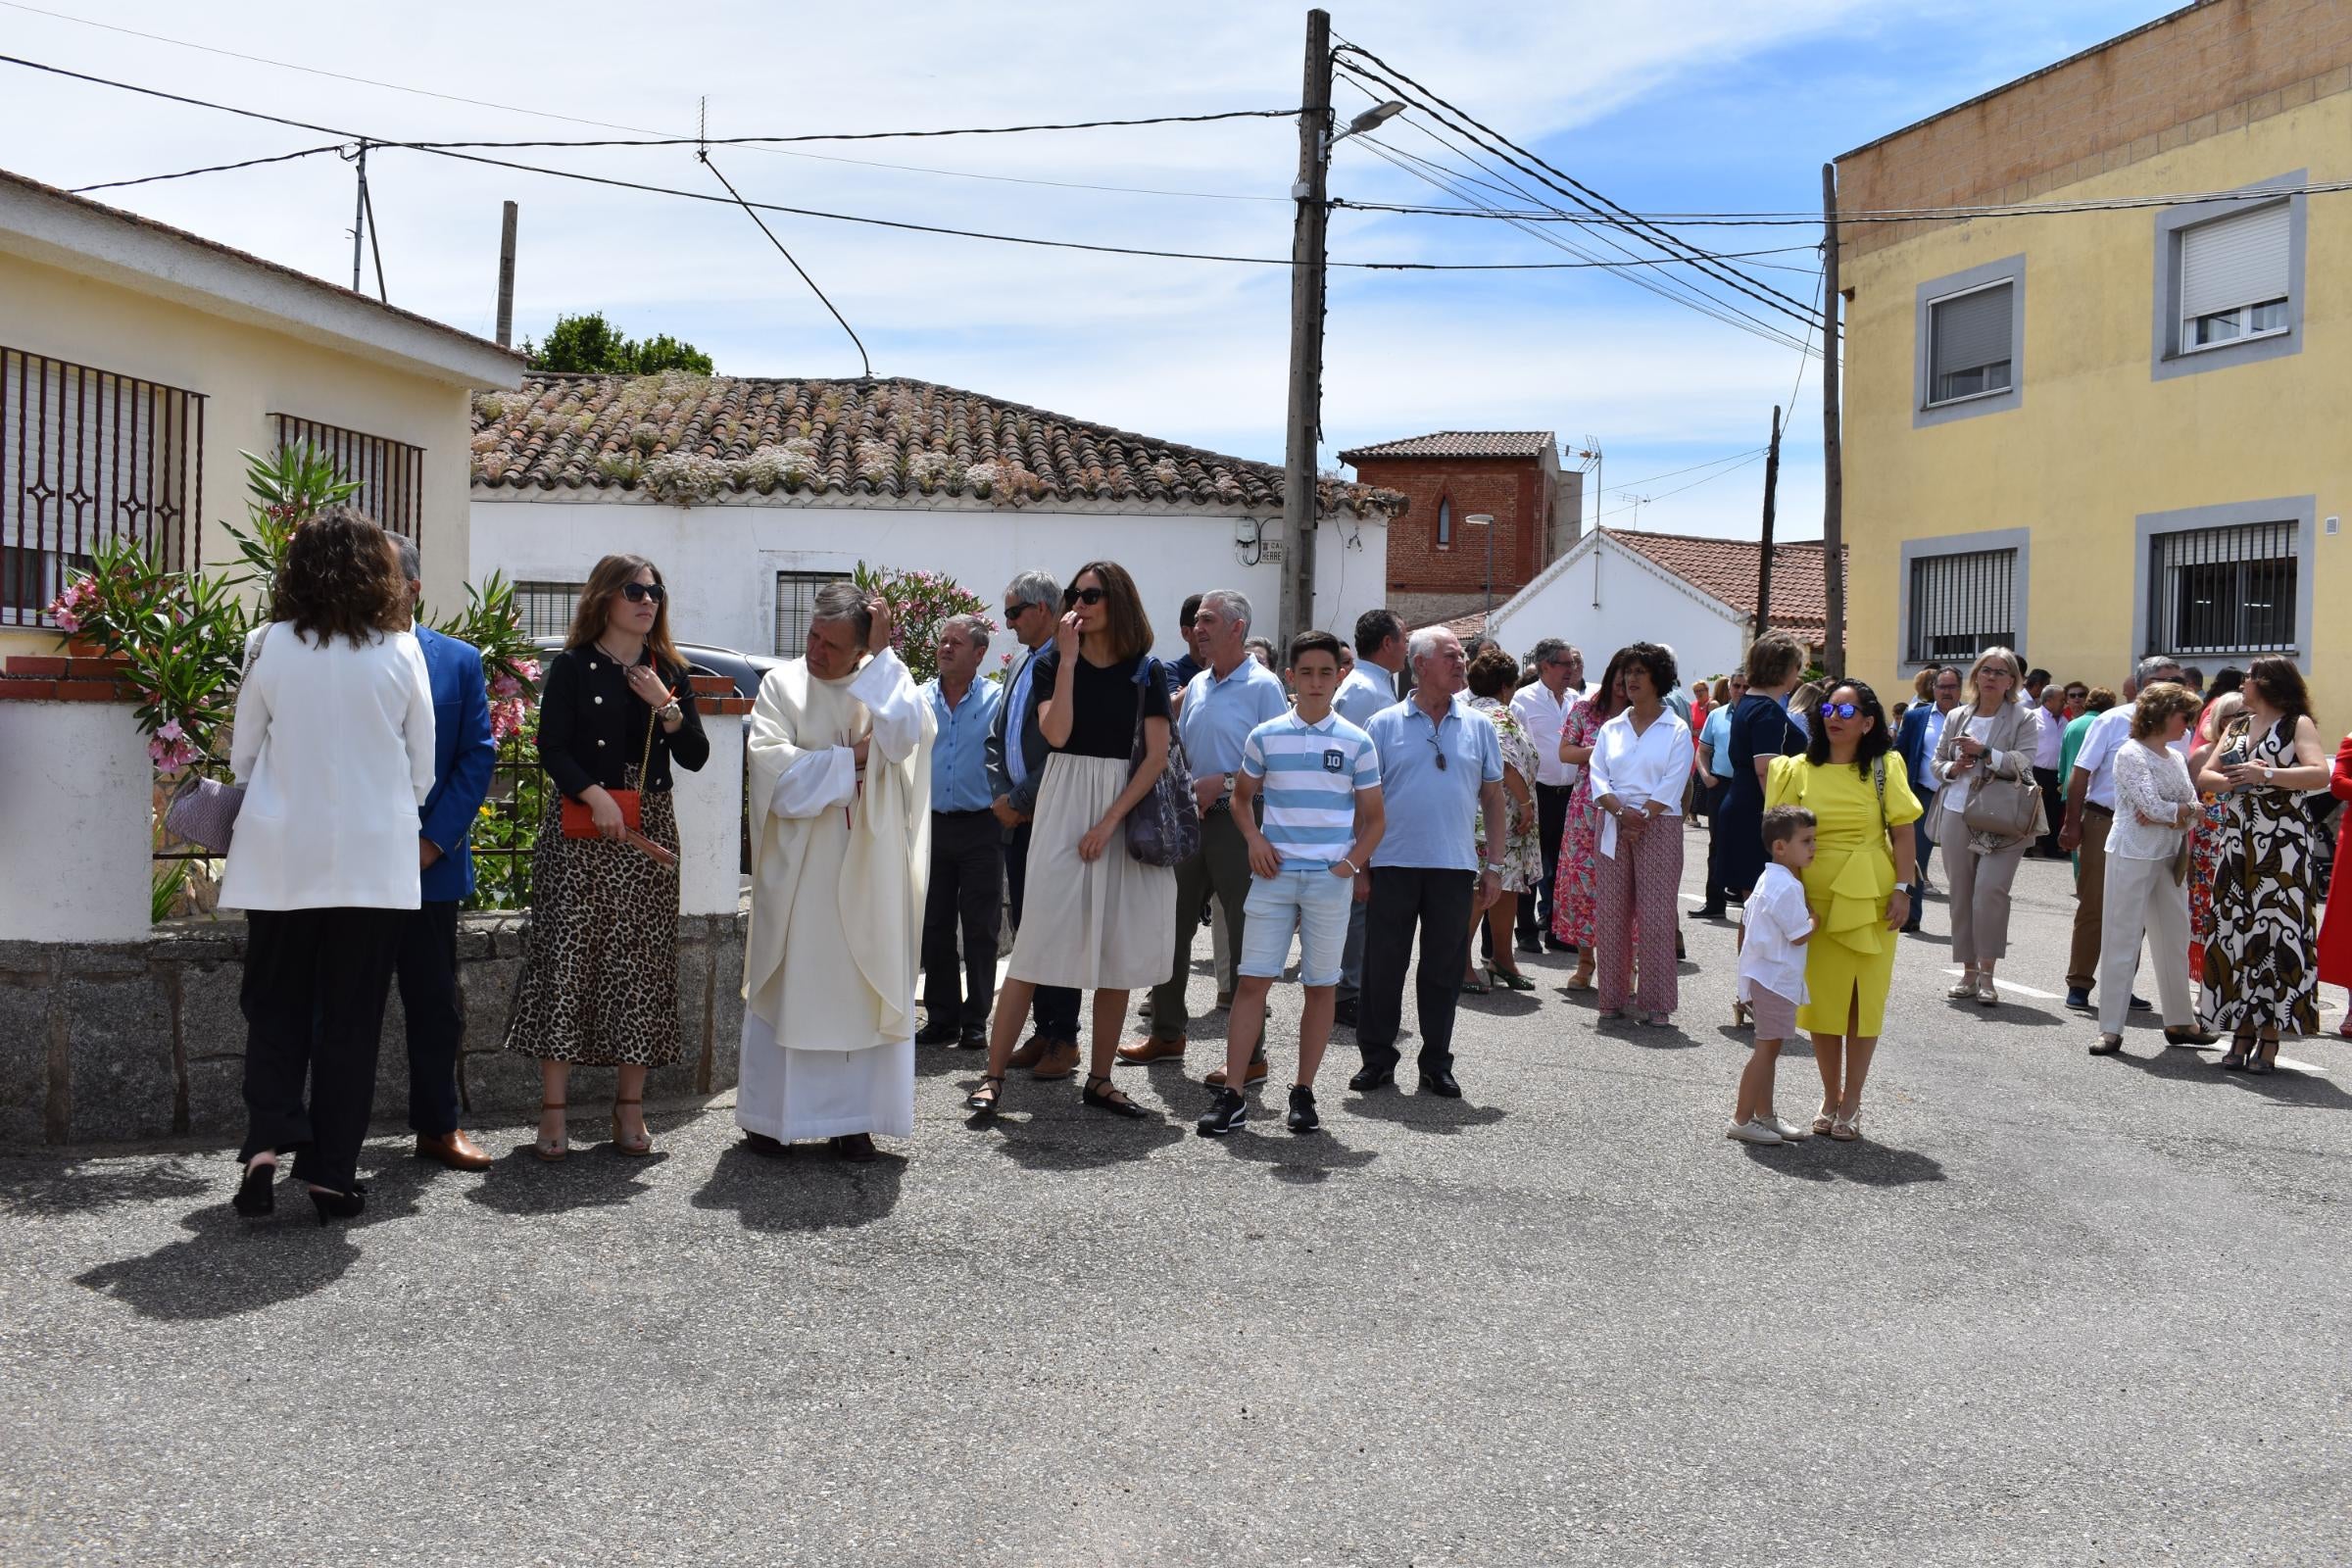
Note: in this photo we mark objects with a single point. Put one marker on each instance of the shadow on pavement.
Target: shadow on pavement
(1667, 1036)
(1301, 1160)
(1062, 1142)
(72, 1190)
(231, 1265)
(1796, 1045)
(2010, 1013)
(2287, 1086)
(1421, 1112)
(937, 1062)
(591, 1176)
(812, 1191)
(1865, 1164)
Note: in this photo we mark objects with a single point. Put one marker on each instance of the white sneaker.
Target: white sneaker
(1754, 1130)
(1789, 1132)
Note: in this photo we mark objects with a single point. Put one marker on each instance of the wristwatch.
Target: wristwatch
(669, 712)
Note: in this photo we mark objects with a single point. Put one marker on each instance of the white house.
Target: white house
(751, 493)
(1696, 594)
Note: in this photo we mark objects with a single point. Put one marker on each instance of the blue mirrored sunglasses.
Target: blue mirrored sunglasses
(1839, 710)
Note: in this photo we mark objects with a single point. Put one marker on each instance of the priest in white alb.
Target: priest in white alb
(839, 798)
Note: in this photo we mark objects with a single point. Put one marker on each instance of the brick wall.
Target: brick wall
(1509, 489)
(2194, 75)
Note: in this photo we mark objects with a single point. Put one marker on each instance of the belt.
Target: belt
(2089, 807)
(981, 811)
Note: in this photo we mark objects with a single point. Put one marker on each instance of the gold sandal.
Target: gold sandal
(621, 1145)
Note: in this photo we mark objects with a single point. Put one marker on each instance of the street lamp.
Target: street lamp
(1370, 120)
(1486, 520)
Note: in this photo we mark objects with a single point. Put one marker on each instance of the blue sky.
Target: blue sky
(1697, 105)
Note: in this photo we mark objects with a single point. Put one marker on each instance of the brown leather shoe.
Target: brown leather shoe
(1256, 1073)
(1030, 1053)
(454, 1150)
(1061, 1060)
(1151, 1048)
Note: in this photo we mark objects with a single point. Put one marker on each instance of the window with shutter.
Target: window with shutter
(796, 603)
(1968, 341)
(1962, 604)
(2226, 590)
(545, 608)
(2235, 275)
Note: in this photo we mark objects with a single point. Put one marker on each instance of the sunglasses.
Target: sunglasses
(1839, 710)
(1083, 596)
(637, 593)
(1441, 750)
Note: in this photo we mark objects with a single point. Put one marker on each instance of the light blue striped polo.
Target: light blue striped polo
(1312, 774)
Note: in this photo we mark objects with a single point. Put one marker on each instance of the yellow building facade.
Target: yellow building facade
(138, 363)
(2121, 430)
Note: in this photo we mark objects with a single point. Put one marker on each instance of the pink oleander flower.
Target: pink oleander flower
(66, 619)
(173, 751)
(504, 686)
(169, 730)
(506, 719)
(531, 669)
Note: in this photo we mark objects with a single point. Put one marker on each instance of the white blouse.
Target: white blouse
(1640, 767)
(2155, 782)
(334, 745)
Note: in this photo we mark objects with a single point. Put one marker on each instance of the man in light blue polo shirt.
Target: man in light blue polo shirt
(1441, 763)
(968, 846)
(1221, 706)
(1369, 687)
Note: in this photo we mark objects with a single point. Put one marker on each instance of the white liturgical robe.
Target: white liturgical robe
(839, 861)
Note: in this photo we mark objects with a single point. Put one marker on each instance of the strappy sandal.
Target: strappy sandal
(622, 1146)
(2234, 1059)
(551, 1150)
(1508, 979)
(1102, 1099)
(1824, 1122)
(1846, 1126)
(984, 1099)
(2265, 1058)
(1966, 990)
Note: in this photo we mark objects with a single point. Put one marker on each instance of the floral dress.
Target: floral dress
(1522, 865)
(2261, 963)
(1572, 886)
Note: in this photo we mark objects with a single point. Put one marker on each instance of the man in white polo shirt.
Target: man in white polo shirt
(1542, 708)
(1321, 781)
(2090, 813)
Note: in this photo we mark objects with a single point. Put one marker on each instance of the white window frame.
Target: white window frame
(1926, 409)
(2172, 351)
(530, 592)
(1934, 374)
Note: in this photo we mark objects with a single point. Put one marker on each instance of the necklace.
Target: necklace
(609, 654)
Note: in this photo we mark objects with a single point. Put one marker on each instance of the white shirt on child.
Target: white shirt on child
(1776, 918)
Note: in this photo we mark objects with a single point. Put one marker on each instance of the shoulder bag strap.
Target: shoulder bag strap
(1877, 776)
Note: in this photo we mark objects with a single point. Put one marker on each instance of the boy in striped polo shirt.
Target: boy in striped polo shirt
(1321, 781)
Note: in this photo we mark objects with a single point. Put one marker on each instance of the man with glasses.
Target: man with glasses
(1440, 764)
(1921, 732)
(2048, 698)
(1016, 765)
(1542, 708)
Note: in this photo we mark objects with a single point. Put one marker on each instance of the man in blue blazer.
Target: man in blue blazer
(463, 751)
(1915, 743)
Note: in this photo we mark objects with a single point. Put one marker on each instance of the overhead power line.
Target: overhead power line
(208, 169)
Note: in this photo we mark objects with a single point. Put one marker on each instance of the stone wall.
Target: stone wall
(137, 1040)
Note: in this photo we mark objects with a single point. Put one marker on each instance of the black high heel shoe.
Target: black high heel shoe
(339, 1205)
(257, 1194)
(1102, 1098)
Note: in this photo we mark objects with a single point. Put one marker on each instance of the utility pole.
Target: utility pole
(506, 278)
(1298, 508)
(358, 218)
(1772, 482)
(1833, 460)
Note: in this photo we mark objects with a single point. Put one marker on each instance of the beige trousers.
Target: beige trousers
(1977, 886)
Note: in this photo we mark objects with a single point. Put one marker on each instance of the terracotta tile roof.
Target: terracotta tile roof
(683, 438)
(1727, 569)
(1459, 444)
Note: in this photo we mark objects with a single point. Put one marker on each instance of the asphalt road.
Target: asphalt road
(2055, 1310)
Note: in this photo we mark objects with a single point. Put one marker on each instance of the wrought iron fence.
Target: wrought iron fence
(85, 455)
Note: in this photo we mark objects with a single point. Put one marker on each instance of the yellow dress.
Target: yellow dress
(1850, 961)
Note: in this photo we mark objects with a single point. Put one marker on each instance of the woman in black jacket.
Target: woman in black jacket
(600, 971)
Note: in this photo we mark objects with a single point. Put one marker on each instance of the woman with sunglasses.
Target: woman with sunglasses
(600, 964)
(1097, 918)
(1858, 888)
(1985, 754)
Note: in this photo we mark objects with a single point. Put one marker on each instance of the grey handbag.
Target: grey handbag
(1164, 828)
(204, 812)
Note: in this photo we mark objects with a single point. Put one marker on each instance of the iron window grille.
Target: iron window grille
(796, 606)
(2235, 274)
(1962, 604)
(1968, 337)
(88, 456)
(2228, 590)
(545, 608)
(390, 473)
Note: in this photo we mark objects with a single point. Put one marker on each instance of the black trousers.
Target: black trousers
(967, 884)
(1438, 902)
(314, 996)
(1551, 823)
(1054, 1013)
(427, 966)
(2053, 804)
(1717, 792)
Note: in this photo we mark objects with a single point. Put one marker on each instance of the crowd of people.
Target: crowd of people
(1345, 802)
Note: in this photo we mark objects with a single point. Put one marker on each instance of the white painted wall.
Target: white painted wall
(1605, 597)
(709, 807)
(75, 858)
(721, 559)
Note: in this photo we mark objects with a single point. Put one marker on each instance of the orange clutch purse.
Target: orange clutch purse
(580, 823)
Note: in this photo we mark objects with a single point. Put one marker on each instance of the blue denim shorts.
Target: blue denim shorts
(1308, 900)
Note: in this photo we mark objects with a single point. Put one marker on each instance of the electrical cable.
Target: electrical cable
(1675, 474)
(208, 169)
(796, 266)
(1577, 190)
(1756, 456)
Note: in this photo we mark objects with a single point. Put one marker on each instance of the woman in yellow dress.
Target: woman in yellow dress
(1857, 886)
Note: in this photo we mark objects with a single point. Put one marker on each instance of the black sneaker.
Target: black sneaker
(1303, 1109)
(1226, 1115)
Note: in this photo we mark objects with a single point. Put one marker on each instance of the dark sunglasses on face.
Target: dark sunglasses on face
(1839, 710)
(639, 592)
(1083, 596)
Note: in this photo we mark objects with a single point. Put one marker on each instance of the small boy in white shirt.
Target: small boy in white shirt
(1772, 971)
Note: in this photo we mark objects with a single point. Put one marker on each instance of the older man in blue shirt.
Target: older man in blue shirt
(1441, 763)
(1369, 687)
(967, 845)
(1221, 707)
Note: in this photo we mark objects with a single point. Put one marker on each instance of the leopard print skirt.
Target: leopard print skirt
(600, 964)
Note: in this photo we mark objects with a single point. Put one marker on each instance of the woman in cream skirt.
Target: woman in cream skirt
(1097, 918)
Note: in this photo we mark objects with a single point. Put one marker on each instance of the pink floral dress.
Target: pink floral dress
(1572, 887)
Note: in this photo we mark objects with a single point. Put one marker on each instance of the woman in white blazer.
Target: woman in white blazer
(334, 746)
